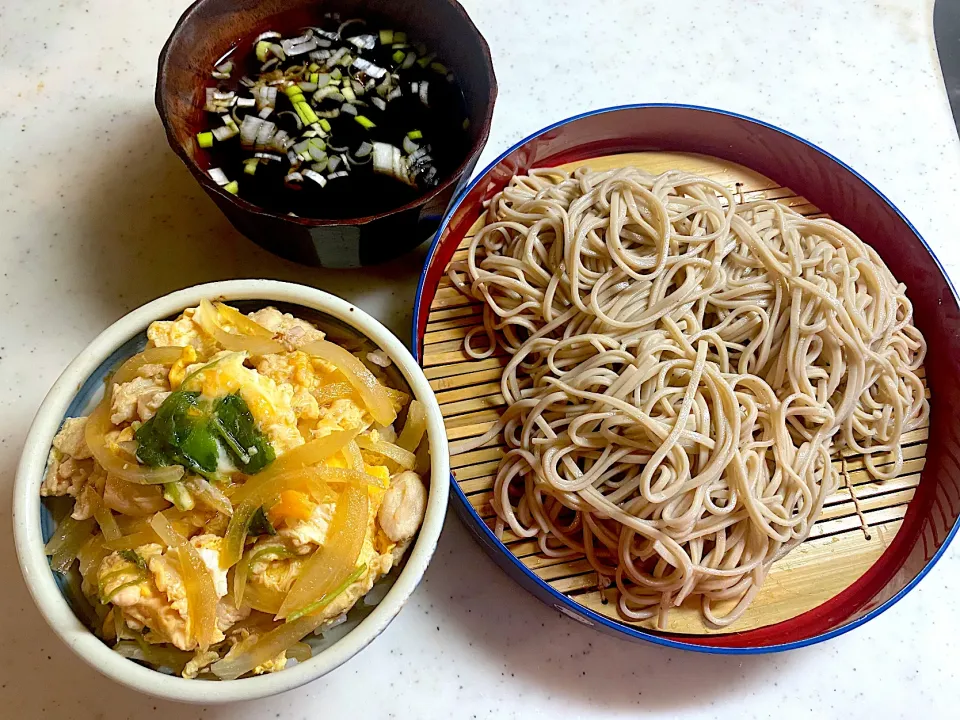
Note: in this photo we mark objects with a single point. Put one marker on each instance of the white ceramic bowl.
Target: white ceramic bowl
(82, 375)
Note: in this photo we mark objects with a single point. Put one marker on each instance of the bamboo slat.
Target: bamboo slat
(841, 547)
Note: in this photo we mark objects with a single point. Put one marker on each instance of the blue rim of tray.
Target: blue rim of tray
(530, 577)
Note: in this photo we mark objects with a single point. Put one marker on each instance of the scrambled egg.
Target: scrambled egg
(294, 398)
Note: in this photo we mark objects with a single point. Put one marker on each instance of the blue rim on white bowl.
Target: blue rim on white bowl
(795, 163)
(75, 391)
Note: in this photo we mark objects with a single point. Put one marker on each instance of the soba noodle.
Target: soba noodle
(682, 366)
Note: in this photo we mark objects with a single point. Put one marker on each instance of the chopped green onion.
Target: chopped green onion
(415, 135)
(336, 74)
(408, 61)
(400, 36)
(398, 56)
(348, 93)
(293, 91)
(325, 124)
(205, 139)
(305, 112)
(232, 187)
(426, 60)
(250, 166)
(315, 78)
(386, 37)
(439, 67)
(365, 121)
(466, 123)
(328, 597)
(313, 67)
(262, 49)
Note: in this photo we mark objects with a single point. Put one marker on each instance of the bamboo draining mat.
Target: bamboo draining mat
(858, 522)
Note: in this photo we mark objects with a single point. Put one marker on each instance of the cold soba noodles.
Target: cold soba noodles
(682, 368)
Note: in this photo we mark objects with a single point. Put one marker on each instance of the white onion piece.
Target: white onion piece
(364, 149)
(364, 42)
(348, 109)
(365, 66)
(218, 176)
(388, 160)
(409, 146)
(249, 130)
(394, 94)
(424, 86)
(334, 176)
(246, 102)
(408, 61)
(307, 86)
(332, 163)
(268, 35)
(224, 133)
(316, 177)
(265, 113)
(379, 103)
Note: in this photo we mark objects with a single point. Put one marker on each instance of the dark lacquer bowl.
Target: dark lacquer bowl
(909, 529)
(209, 28)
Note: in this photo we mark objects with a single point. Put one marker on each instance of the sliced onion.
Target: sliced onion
(414, 428)
(249, 129)
(268, 35)
(371, 391)
(265, 113)
(379, 103)
(99, 424)
(352, 454)
(348, 109)
(337, 559)
(372, 70)
(71, 535)
(394, 94)
(409, 146)
(197, 581)
(300, 651)
(404, 458)
(157, 656)
(209, 495)
(303, 456)
(424, 87)
(332, 163)
(364, 149)
(265, 133)
(209, 319)
(218, 175)
(364, 42)
(295, 117)
(316, 177)
(107, 522)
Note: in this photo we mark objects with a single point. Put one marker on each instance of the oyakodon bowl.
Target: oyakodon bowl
(847, 572)
(75, 393)
(209, 28)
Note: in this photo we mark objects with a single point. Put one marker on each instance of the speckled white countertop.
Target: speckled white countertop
(97, 216)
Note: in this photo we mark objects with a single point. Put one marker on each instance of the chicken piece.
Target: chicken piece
(158, 602)
(71, 441)
(127, 397)
(182, 332)
(153, 599)
(201, 660)
(150, 402)
(403, 507)
(290, 331)
(228, 615)
(65, 475)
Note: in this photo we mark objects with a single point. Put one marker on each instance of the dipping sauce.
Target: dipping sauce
(343, 120)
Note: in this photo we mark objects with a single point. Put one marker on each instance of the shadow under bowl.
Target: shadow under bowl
(210, 28)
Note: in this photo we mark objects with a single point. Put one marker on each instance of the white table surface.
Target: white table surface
(98, 216)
